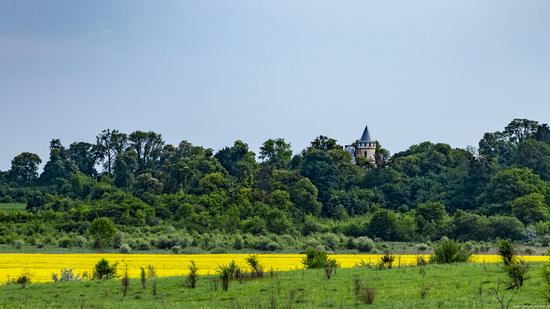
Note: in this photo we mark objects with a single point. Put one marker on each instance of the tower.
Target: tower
(366, 147)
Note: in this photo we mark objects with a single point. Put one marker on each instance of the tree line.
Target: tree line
(430, 190)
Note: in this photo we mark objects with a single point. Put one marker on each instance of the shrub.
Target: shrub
(364, 264)
(254, 263)
(314, 258)
(506, 252)
(272, 246)
(363, 293)
(330, 241)
(516, 269)
(386, 261)
(226, 274)
(125, 280)
(80, 241)
(422, 247)
(65, 243)
(102, 231)
(363, 244)
(125, 248)
(118, 239)
(319, 259)
(143, 277)
(234, 268)
(516, 273)
(24, 279)
(449, 251)
(193, 277)
(330, 267)
(18, 244)
(238, 243)
(176, 249)
(152, 274)
(66, 275)
(105, 270)
(143, 246)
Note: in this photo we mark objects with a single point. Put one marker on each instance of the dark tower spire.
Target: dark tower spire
(366, 135)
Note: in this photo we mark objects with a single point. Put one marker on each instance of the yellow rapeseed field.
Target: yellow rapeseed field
(41, 266)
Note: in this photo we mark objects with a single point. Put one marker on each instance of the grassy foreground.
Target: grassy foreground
(450, 286)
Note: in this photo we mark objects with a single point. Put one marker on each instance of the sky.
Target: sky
(212, 72)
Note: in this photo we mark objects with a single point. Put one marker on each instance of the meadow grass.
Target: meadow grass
(451, 286)
(13, 207)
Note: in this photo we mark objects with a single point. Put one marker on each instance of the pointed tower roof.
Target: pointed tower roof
(366, 135)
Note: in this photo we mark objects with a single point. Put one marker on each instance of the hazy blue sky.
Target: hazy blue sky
(212, 72)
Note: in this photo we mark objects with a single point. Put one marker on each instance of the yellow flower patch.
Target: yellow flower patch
(41, 266)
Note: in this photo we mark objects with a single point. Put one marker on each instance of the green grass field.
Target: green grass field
(451, 286)
(12, 207)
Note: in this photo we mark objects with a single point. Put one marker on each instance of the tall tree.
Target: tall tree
(84, 155)
(24, 168)
(324, 143)
(125, 166)
(276, 153)
(520, 130)
(534, 155)
(501, 145)
(58, 170)
(148, 147)
(509, 184)
(239, 162)
(543, 134)
(109, 145)
(304, 197)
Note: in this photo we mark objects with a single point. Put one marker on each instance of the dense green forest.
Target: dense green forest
(186, 196)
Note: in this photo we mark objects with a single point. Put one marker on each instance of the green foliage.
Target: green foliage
(506, 252)
(102, 231)
(24, 168)
(510, 184)
(515, 268)
(449, 251)
(276, 153)
(152, 276)
(506, 227)
(386, 261)
(383, 224)
(254, 263)
(143, 277)
(363, 292)
(104, 270)
(23, 279)
(363, 244)
(516, 273)
(317, 259)
(125, 280)
(227, 273)
(146, 186)
(330, 268)
(530, 208)
(66, 275)
(193, 276)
